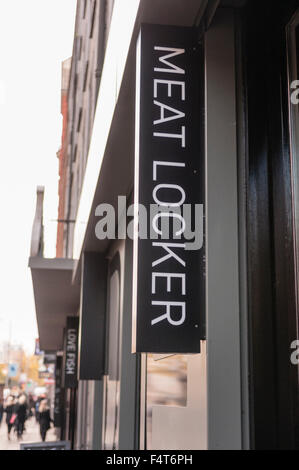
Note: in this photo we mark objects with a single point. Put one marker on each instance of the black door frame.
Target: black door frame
(271, 265)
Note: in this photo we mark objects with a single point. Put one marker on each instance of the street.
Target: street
(31, 434)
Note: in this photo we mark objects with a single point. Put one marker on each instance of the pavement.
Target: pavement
(31, 434)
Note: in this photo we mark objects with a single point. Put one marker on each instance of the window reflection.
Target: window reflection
(166, 385)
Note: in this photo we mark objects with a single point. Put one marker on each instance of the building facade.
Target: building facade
(210, 87)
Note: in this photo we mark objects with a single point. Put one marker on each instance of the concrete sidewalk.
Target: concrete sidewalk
(31, 434)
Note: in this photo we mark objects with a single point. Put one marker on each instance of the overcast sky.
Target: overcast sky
(35, 37)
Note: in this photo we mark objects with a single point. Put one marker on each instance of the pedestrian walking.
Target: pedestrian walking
(21, 412)
(31, 405)
(37, 404)
(10, 408)
(44, 418)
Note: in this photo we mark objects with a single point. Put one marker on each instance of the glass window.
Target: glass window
(111, 427)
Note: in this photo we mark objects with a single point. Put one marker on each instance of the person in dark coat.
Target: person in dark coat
(44, 418)
(37, 404)
(9, 408)
(31, 405)
(21, 411)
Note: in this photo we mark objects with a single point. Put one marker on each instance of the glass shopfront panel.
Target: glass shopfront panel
(112, 382)
(166, 385)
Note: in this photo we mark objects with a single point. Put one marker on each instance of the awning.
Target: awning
(55, 298)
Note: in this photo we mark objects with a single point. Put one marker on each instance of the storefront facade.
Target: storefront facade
(233, 382)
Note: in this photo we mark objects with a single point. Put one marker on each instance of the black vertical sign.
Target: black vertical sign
(71, 352)
(169, 278)
(58, 393)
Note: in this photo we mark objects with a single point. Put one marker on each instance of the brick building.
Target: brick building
(62, 155)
